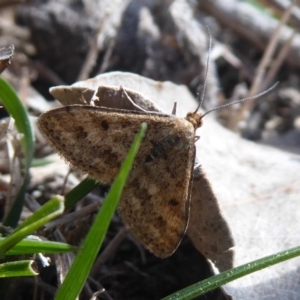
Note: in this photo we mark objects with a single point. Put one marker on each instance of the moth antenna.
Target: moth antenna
(241, 100)
(206, 71)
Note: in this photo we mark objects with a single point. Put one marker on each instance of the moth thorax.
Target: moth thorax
(195, 119)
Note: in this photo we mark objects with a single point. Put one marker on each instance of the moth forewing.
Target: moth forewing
(155, 200)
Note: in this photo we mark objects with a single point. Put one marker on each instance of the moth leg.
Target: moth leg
(197, 138)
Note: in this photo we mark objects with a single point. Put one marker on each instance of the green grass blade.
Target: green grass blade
(15, 108)
(30, 246)
(77, 193)
(212, 283)
(47, 212)
(17, 269)
(84, 260)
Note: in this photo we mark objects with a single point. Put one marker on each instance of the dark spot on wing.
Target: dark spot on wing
(80, 132)
(162, 148)
(160, 222)
(173, 202)
(104, 125)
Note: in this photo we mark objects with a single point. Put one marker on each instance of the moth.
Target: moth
(156, 198)
(95, 139)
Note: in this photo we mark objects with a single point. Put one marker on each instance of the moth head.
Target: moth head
(195, 119)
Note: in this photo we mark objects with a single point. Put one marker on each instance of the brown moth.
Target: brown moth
(156, 198)
(95, 140)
